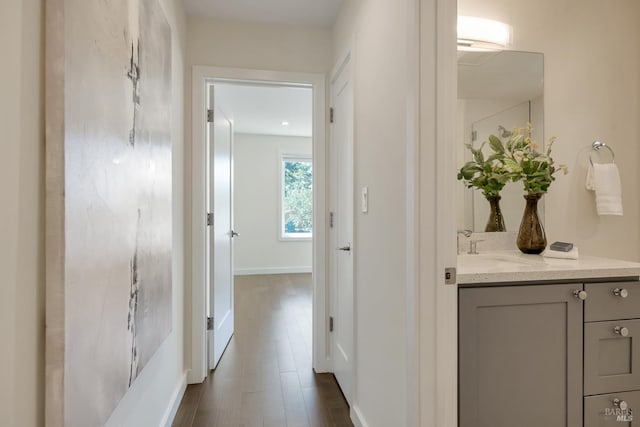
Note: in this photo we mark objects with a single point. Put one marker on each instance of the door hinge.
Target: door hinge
(474, 135)
(330, 219)
(210, 219)
(210, 116)
(331, 324)
(209, 323)
(331, 115)
(450, 276)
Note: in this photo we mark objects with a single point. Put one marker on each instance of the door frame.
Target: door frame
(201, 75)
(432, 368)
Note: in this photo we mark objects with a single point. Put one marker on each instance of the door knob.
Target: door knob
(621, 404)
(622, 293)
(621, 330)
(582, 295)
(234, 234)
(345, 248)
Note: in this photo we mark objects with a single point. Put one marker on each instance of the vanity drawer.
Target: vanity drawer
(611, 356)
(609, 301)
(605, 410)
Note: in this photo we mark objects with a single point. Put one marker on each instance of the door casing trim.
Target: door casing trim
(196, 330)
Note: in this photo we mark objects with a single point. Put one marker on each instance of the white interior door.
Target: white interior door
(219, 234)
(342, 191)
(512, 203)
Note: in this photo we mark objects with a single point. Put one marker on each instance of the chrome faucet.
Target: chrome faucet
(473, 247)
(466, 233)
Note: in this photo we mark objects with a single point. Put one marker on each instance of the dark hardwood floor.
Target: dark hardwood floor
(265, 377)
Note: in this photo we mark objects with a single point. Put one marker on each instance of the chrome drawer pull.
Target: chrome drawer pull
(620, 404)
(622, 293)
(582, 295)
(621, 330)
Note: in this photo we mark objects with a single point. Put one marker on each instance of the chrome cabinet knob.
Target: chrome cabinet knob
(621, 330)
(582, 295)
(621, 404)
(622, 293)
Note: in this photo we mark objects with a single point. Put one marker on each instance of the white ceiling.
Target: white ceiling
(317, 13)
(262, 109)
(506, 75)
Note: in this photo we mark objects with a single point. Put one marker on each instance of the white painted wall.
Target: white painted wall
(257, 176)
(252, 46)
(22, 230)
(22, 214)
(380, 70)
(159, 387)
(592, 87)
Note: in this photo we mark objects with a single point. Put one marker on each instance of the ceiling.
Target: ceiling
(315, 13)
(261, 110)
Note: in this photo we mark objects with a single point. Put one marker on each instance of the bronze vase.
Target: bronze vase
(496, 220)
(531, 237)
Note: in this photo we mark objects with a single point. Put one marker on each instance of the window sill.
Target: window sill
(305, 238)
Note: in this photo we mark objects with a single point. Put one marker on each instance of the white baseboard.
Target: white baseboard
(271, 270)
(323, 366)
(174, 404)
(356, 417)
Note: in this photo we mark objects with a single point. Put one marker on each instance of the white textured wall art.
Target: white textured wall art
(108, 200)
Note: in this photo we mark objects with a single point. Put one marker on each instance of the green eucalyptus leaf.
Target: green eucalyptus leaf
(496, 144)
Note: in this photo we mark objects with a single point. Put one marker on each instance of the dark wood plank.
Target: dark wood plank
(188, 406)
(265, 377)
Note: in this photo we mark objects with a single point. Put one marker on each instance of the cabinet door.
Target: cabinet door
(520, 355)
(611, 356)
(612, 410)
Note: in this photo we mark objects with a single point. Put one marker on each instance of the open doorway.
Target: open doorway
(273, 176)
(292, 162)
(267, 227)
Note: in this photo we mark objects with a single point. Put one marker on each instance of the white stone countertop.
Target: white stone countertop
(514, 266)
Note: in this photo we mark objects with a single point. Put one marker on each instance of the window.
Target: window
(296, 197)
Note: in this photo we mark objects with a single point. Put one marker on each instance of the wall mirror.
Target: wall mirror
(497, 92)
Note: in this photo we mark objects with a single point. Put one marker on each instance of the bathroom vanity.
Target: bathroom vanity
(548, 342)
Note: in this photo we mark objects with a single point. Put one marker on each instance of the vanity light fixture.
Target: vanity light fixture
(480, 34)
(285, 123)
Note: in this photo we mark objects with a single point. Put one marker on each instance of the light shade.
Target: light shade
(479, 34)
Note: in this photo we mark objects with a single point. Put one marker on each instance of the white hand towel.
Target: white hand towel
(604, 179)
(572, 254)
(590, 184)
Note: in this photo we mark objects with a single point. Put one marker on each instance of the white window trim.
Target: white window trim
(282, 236)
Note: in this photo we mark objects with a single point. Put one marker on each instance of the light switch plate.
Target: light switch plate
(365, 199)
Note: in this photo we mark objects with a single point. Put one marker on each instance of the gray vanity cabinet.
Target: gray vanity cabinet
(520, 356)
(612, 354)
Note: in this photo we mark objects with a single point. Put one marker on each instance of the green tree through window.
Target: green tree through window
(297, 201)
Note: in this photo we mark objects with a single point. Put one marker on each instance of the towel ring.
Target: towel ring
(596, 146)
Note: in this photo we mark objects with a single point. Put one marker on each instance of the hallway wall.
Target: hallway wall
(377, 32)
(22, 214)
